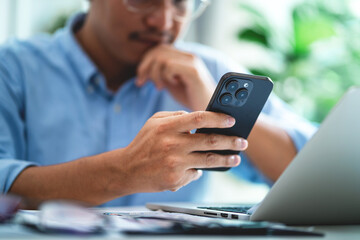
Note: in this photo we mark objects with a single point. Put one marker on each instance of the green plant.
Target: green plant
(321, 59)
(58, 22)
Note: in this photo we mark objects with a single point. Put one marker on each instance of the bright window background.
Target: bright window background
(311, 81)
(24, 18)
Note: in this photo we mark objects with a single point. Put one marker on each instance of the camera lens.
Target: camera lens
(226, 99)
(242, 94)
(232, 86)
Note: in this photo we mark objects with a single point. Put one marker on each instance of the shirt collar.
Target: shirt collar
(74, 51)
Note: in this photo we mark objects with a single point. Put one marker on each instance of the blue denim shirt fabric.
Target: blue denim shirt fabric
(55, 108)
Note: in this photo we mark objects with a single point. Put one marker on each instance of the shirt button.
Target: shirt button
(117, 108)
(90, 89)
(97, 80)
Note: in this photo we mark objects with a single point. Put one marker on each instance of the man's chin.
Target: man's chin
(135, 59)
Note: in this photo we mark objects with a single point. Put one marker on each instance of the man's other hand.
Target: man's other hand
(184, 75)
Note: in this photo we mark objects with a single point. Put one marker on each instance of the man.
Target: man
(82, 113)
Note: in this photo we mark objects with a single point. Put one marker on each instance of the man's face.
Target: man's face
(128, 35)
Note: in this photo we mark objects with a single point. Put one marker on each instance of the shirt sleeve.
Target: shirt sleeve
(12, 126)
(298, 128)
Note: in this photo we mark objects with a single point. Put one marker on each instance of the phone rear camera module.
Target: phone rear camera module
(232, 86)
(226, 99)
(242, 94)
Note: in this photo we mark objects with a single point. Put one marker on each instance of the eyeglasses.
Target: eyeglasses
(182, 9)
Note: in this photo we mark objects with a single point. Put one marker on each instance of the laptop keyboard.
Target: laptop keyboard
(228, 209)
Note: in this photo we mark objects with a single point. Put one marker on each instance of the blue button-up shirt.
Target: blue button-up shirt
(55, 108)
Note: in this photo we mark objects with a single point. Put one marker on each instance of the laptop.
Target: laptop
(320, 186)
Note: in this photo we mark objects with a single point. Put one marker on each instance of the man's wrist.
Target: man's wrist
(114, 176)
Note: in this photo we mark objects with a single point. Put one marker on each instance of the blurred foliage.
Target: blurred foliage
(321, 57)
(59, 22)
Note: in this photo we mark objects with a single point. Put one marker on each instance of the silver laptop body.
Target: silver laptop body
(320, 186)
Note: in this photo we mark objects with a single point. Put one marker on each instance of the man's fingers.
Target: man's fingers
(164, 114)
(190, 175)
(153, 69)
(143, 69)
(155, 73)
(201, 119)
(212, 160)
(207, 142)
(183, 69)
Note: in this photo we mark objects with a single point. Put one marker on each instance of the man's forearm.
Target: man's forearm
(88, 180)
(270, 148)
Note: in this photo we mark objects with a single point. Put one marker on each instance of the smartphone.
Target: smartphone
(241, 96)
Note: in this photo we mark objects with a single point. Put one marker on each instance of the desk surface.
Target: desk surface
(14, 231)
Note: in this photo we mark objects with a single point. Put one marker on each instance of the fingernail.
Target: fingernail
(243, 143)
(200, 173)
(230, 121)
(235, 159)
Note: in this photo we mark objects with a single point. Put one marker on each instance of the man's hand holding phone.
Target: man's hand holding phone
(165, 154)
(242, 96)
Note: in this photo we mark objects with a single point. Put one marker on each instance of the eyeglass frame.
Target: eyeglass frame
(203, 5)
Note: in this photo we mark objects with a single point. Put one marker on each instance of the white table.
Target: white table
(14, 231)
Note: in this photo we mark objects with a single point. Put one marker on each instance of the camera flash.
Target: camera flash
(246, 85)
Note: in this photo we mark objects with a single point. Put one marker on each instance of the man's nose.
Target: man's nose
(163, 16)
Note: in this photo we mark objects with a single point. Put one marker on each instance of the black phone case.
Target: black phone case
(245, 112)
